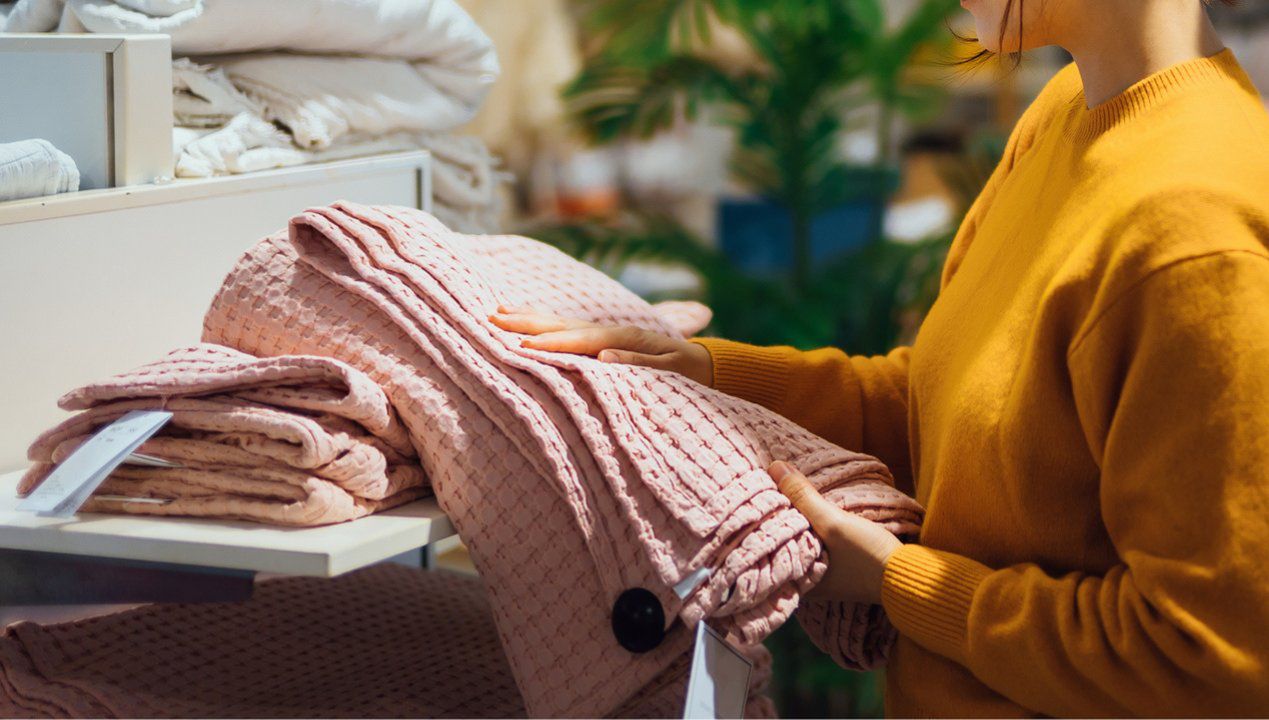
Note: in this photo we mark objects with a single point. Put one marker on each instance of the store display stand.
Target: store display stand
(99, 281)
(100, 558)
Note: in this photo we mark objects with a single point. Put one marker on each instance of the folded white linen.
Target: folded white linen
(465, 183)
(465, 178)
(202, 97)
(321, 98)
(245, 144)
(34, 168)
(445, 46)
(30, 15)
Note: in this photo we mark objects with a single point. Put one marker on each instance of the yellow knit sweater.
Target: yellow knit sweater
(1084, 415)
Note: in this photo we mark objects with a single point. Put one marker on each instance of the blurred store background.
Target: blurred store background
(799, 167)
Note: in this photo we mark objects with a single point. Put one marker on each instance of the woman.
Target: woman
(1085, 412)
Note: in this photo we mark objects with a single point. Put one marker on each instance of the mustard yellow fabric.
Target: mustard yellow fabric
(1084, 414)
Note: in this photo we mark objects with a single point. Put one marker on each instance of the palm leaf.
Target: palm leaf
(611, 100)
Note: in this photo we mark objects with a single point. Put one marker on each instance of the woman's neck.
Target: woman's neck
(1117, 43)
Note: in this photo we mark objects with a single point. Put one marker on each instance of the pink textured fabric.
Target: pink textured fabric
(571, 480)
(293, 440)
(387, 641)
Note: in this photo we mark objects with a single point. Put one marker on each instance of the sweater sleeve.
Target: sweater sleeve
(856, 402)
(1172, 387)
(862, 402)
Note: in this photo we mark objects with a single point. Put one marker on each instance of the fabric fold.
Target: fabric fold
(386, 641)
(570, 479)
(35, 168)
(291, 441)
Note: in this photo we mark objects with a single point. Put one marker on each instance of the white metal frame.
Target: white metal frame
(112, 199)
(138, 81)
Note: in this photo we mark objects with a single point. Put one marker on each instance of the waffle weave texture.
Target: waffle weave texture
(387, 641)
(290, 440)
(571, 480)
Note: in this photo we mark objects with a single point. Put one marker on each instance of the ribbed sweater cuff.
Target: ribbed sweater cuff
(928, 593)
(757, 374)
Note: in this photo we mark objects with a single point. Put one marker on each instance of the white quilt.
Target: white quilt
(321, 98)
(445, 48)
(289, 82)
(465, 181)
(34, 168)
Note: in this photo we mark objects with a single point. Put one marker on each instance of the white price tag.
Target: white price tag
(68, 487)
(718, 681)
(150, 461)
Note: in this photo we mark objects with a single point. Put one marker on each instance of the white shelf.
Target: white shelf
(322, 551)
(185, 189)
(94, 283)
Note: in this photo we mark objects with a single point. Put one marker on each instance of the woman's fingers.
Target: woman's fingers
(591, 340)
(530, 322)
(858, 549)
(822, 515)
(805, 497)
(611, 344)
(625, 357)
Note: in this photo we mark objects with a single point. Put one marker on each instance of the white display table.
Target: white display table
(152, 549)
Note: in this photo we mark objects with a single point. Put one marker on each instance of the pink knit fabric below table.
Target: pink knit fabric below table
(388, 641)
(289, 441)
(571, 480)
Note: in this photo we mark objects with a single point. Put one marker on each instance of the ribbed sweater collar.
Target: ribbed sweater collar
(1155, 90)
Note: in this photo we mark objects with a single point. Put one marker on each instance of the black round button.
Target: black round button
(638, 620)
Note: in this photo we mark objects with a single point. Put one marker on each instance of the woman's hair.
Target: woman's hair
(1015, 8)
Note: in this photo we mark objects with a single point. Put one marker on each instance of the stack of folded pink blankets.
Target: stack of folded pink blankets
(387, 641)
(572, 481)
(290, 440)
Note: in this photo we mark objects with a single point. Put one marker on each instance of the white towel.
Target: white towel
(34, 168)
(465, 178)
(321, 98)
(441, 41)
(202, 97)
(465, 183)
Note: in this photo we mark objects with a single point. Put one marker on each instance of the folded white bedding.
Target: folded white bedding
(34, 168)
(279, 83)
(465, 180)
(441, 43)
(320, 98)
(202, 97)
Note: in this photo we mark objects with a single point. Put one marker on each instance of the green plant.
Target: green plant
(855, 302)
(815, 65)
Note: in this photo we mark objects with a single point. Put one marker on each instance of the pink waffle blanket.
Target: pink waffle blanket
(571, 480)
(388, 641)
(291, 440)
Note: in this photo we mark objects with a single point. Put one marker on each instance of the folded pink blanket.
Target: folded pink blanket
(387, 641)
(290, 440)
(572, 481)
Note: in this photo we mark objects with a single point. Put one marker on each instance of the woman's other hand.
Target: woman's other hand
(624, 345)
(857, 548)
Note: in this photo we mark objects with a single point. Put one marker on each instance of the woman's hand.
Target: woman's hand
(624, 345)
(857, 548)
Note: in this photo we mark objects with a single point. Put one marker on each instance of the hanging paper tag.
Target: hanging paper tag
(72, 481)
(689, 584)
(718, 682)
(150, 461)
